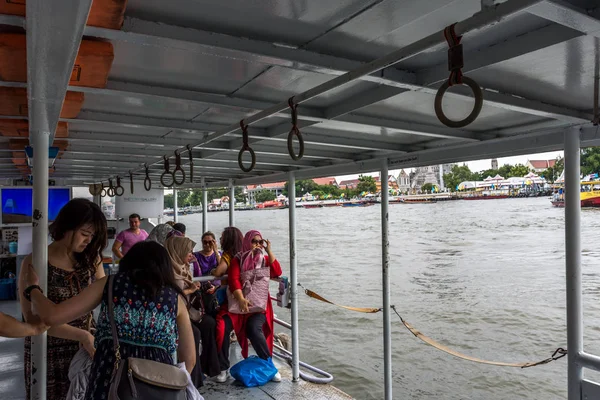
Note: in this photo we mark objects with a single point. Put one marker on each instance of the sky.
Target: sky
(481, 165)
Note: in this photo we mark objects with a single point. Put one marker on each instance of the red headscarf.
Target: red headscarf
(249, 258)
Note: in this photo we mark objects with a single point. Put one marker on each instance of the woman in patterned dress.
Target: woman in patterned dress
(150, 314)
(74, 261)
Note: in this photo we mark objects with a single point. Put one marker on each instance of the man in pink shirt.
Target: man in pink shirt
(127, 238)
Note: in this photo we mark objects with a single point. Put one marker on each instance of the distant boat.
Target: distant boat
(417, 201)
(589, 194)
(356, 204)
(313, 206)
(488, 197)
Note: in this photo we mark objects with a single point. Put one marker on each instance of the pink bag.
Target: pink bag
(255, 287)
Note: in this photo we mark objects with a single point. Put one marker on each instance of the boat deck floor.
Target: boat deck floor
(12, 385)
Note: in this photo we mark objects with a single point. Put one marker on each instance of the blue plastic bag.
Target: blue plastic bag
(253, 371)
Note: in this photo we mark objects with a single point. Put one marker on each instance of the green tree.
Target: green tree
(590, 160)
(302, 186)
(504, 171)
(427, 188)
(366, 184)
(551, 174)
(183, 198)
(458, 174)
(169, 201)
(518, 170)
(240, 197)
(264, 195)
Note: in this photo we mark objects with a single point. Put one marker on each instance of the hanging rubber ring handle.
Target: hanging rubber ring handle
(477, 94)
(147, 181)
(119, 190)
(131, 182)
(178, 168)
(167, 173)
(191, 156)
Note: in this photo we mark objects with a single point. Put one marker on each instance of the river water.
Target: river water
(486, 278)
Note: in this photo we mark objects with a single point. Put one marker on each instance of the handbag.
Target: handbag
(136, 378)
(255, 288)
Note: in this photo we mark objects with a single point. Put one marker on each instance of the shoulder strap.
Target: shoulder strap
(111, 316)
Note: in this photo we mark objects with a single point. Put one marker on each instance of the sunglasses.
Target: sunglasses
(262, 242)
(207, 242)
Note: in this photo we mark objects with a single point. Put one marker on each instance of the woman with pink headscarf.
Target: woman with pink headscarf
(250, 311)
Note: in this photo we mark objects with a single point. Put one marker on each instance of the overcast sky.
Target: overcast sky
(481, 165)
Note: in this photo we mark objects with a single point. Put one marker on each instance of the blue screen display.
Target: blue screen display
(17, 204)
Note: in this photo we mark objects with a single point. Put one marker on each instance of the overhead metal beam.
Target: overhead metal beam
(163, 143)
(568, 15)
(167, 36)
(199, 164)
(552, 140)
(361, 100)
(538, 39)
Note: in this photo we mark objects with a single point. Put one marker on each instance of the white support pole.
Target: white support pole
(175, 207)
(573, 262)
(231, 203)
(385, 263)
(54, 31)
(204, 205)
(40, 142)
(294, 278)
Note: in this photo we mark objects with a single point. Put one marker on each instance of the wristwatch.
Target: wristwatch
(29, 289)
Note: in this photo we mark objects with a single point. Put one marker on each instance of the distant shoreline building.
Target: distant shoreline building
(538, 166)
(431, 174)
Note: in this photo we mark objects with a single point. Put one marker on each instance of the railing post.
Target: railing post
(294, 278)
(231, 203)
(175, 207)
(204, 205)
(385, 262)
(573, 261)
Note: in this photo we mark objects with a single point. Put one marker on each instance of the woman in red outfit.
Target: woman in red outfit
(256, 326)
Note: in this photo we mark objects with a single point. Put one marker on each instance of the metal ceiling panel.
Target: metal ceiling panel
(99, 126)
(161, 108)
(391, 25)
(511, 29)
(418, 107)
(563, 73)
(179, 68)
(279, 83)
(284, 21)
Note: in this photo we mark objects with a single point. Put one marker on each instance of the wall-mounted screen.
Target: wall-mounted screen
(17, 204)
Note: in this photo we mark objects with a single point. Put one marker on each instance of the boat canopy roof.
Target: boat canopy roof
(157, 77)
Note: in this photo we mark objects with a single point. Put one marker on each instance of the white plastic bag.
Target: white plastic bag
(192, 392)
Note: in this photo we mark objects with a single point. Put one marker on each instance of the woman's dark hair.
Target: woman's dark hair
(149, 266)
(180, 227)
(72, 217)
(232, 240)
(208, 233)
